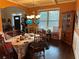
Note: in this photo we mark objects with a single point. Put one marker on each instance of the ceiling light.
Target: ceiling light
(33, 15)
(38, 16)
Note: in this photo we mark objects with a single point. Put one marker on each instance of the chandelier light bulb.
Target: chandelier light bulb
(38, 16)
(32, 16)
(28, 17)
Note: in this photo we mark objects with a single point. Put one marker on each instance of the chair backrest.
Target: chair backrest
(11, 34)
(2, 52)
(2, 34)
(1, 40)
(37, 46)
(8, 46)
(8, 51)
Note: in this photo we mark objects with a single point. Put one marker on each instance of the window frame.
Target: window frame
(56, 9)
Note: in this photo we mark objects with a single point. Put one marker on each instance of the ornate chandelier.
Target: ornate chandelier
(33, 15)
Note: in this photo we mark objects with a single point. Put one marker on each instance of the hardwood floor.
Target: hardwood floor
(57, 50)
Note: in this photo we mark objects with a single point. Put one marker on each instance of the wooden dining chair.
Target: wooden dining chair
(37, 48)
(10, 49)
(7, 51)
(44, 39)
(1, 45)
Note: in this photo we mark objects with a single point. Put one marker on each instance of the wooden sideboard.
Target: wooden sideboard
(68, 22)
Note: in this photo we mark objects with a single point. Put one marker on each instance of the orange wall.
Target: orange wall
(5, 4)
(0, 22)
(77, 4)
(77, 9)
(64, 7)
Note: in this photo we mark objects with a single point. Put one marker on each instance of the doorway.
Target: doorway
(17, 22)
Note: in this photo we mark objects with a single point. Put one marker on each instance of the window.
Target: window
(49, 20)
(53, 22)
(43, 20)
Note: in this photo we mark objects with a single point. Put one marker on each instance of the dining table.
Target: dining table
(20, 45)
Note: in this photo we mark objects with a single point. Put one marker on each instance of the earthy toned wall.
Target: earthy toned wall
(7, 12)
(76, 34)
(77, 5)
(5, 4)
(64, 7)
(77, 13)
(0, 22)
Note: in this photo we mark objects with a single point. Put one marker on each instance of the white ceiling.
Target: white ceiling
(35, 3)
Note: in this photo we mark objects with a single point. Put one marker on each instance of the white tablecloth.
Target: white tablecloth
(21, 45)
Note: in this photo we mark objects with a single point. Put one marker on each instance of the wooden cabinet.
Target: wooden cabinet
(68, 27)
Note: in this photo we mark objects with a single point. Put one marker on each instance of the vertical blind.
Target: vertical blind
(49, 20)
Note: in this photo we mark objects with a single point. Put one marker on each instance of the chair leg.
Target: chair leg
(44, 54)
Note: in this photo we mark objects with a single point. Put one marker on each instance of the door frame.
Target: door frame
(13, 23)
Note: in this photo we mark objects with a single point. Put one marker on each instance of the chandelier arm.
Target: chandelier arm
(33, 15)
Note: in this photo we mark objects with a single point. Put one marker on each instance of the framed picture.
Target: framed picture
(67, 21)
